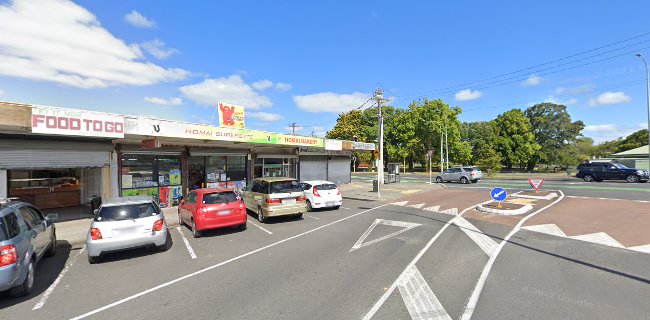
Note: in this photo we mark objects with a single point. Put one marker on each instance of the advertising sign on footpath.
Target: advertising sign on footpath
(499, 195)
(231, 116)
(71, 122)
(536, 183)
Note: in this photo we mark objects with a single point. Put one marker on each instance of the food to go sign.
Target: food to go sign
(72, 122)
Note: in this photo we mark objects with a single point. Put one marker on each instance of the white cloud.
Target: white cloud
(230, 90)
(164, 102)
(2, 93)
(604, 132)
(585, 88)
(158, 49)
(262, 85)
(265, 116)
(532, 80)
(62, 42)
(330, 102)
(283, 86)
(136, 19)
(468, 94)
(609, 98)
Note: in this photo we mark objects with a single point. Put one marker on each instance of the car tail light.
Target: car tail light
(8, 255)
(338, 191)
(95, 234)
(273, 201)
(303, 198)
(158, 225)
(316, 194)
(471, 174)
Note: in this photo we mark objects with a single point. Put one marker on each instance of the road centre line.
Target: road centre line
(473, 300)
(260, 227)
(51, 288)
(411, 265)
(187, 243)
(166, 284)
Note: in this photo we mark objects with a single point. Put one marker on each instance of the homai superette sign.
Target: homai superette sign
(165, 128)
(70, 122)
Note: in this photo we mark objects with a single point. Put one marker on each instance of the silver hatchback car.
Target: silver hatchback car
(460, 174)
(126, 223)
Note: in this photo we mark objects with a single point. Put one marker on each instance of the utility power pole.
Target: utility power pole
(379, 97)
(293, 127)
(446, 143)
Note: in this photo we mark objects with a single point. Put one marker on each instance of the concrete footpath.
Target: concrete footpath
(75, 231)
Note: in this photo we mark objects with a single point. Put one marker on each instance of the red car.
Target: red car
(204, 209)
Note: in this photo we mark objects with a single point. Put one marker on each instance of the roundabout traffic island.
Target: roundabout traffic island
(505, 208)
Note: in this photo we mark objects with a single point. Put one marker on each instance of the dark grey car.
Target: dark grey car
(26, 236)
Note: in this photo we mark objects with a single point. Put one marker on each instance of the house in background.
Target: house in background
(634, 158)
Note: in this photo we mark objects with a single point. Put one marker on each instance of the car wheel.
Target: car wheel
(195, 233)
(474, 181)
(633, 178)
(337, 207)
(464, 180)
(588, 178)
(27, 286)
(260, 215)
(92, 260)
(52, 249)
(242, 227)
(299, 216)
(309, 207)
(438, 180)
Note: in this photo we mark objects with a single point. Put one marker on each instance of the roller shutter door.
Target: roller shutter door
(44, 154)
(338, 169)
(313, 168)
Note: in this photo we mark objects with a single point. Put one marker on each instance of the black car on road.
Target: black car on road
(599, 171)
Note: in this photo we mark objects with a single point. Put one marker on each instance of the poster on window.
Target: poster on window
(231, 116)
(175, 177)
(164, 197)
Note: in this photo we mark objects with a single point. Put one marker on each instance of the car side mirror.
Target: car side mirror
(50, 218)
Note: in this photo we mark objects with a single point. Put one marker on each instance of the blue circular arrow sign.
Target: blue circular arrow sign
(498, 194)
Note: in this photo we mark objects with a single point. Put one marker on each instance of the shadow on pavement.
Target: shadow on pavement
(47, 270)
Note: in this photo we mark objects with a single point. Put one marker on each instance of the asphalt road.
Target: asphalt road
(570, 186)
(366, 260)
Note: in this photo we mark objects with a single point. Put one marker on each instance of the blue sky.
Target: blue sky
(303, 62)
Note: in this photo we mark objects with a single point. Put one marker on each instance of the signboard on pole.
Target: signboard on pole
(376, 154)
(536, 183)
(499, 195)
(430, 153)
(231, 116)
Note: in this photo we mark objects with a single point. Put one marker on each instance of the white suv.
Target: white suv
(322, 194)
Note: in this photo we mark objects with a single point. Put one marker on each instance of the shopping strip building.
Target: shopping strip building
(57, 157)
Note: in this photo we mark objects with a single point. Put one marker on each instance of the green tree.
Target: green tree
(515, 140)
(553, 130)
(481, 137)
(490, 162)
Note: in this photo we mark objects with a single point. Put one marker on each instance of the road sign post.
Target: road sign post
(430, 154)
(536, 183)
(499, 195)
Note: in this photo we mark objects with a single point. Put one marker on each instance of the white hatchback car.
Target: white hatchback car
(322, 194)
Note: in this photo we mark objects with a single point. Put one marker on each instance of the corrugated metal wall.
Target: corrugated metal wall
(48, 154)
(338, 170)
(313, 168)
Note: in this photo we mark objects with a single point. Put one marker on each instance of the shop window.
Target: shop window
(169, 171)
(46, 188)
(138, 171)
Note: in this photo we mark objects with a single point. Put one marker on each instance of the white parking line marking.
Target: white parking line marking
(187, 243)
(309, 215)
(50, 289)
(483, 241)
(473, 299)
(420, 301)
(260, 227)
(346, 208)
(390, 290)
(166, 284)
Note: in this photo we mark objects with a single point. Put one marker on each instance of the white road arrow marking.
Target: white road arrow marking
(418, 297)
(483, 241)
(405, 225)
(499, 193)
(417, 206)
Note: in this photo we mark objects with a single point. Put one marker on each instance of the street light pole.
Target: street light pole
(647, 77)
(446, 143)
(379, 97)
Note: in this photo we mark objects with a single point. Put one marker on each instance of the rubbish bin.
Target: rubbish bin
(375, 185)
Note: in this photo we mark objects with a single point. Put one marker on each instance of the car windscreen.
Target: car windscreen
(126, 212)
(285, 186)
(471, 169)
(327, 186)
(219, 197)
(620, 166)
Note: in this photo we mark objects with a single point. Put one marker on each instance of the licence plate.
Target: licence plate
(223, 212)
(288, 201)
(124, 231)
(330, 204)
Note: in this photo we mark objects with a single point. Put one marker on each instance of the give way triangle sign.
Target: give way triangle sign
(406, 226)
(536, 183)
